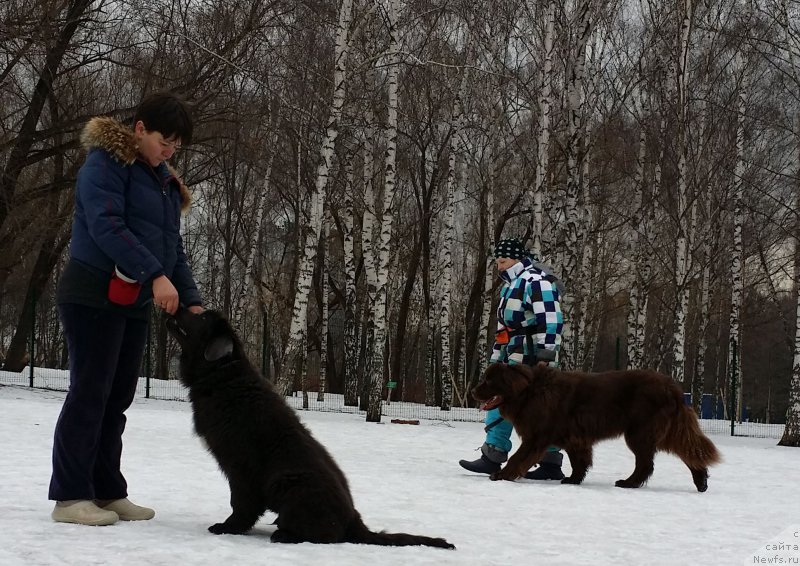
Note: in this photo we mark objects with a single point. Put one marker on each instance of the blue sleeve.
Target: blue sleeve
(101, 188)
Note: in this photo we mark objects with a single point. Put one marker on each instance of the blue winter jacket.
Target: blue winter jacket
(529, 307)
(127, 213)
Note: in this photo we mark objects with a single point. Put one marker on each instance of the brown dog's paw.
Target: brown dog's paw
(504, 474)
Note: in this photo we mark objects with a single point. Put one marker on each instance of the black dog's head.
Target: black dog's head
(502, 384)
(206, 339)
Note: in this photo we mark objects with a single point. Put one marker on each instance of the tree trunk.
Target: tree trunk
(568, 254)
(791, 434)
(637, 317)
(378, 377)
(446, 294)
(323, 323)
(543, 141)
(350, 327)
(397, 359)
(682, 254)
(297, 331)
(737, 283)
(17, 353)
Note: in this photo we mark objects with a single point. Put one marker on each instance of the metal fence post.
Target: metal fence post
(31, 350)
(265, 343)
(732, 409)
(147, 365)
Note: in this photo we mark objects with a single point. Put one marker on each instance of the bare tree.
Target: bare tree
(298, 329)
(379, 307)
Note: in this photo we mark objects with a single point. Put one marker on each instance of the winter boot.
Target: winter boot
(126, 510)
(83, 512)
(488, 463)
(549, 467)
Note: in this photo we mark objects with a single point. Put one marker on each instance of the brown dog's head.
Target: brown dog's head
(502, 384)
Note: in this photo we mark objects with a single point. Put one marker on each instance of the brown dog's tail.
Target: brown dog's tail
(687, 441)
(360, 534)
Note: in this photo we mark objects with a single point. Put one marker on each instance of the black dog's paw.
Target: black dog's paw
(571, 480)
(224, 529)
(217, 529)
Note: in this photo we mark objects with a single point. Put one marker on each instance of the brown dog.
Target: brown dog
(574, 410)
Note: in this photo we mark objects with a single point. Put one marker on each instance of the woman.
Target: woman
(126, 253)
(529, 321)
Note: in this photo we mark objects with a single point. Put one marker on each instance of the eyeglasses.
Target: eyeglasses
(170, 144)
(175, 145)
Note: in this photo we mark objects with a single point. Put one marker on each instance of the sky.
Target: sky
(404, 478)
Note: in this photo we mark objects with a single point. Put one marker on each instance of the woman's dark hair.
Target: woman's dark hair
(166, 113)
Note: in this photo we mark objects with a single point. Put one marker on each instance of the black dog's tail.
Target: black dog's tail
(360, 534)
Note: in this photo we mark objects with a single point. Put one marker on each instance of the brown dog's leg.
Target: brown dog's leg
(700, 479)
(528, 454)
(580, 458)
(642, 446)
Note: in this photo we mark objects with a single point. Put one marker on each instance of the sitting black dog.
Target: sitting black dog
(269, 457)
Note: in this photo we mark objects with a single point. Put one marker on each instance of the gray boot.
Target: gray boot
(488, 463)
(549, 467)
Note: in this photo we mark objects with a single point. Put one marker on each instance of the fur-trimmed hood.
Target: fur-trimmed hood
(119, 140)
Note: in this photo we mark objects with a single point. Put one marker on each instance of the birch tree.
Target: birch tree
(494, 119)
(350, 335)
(734, 365)
(637, 313)
(708, 245)
(543, 141)
(791, 433)
(684, 218)
(379, 347)
(298, 330)
(576, 144)
(323, 326)
(370, 262)
(446, 294)
(485, 330)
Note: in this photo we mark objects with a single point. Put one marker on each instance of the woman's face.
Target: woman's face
(153, 147)
(504, 263)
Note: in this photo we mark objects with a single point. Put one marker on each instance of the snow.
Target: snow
(403, 478)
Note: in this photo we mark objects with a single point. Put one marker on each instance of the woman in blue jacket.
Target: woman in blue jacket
(126, 253)
(529, 320)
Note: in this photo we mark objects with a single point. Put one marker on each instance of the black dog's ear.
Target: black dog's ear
(219, 347)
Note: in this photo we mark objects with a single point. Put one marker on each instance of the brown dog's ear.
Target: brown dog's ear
(219, 347)
(520, 377)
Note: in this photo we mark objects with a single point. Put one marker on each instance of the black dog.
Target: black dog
(269, 457)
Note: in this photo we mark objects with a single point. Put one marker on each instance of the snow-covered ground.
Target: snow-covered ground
(403, 478)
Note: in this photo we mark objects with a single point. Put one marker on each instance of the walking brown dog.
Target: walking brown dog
(574, 410)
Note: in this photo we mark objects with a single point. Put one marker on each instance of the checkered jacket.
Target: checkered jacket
(529, 305)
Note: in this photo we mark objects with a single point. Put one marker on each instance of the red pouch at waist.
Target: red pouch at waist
(123, 290)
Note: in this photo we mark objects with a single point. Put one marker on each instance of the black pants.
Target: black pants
(105, 354)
